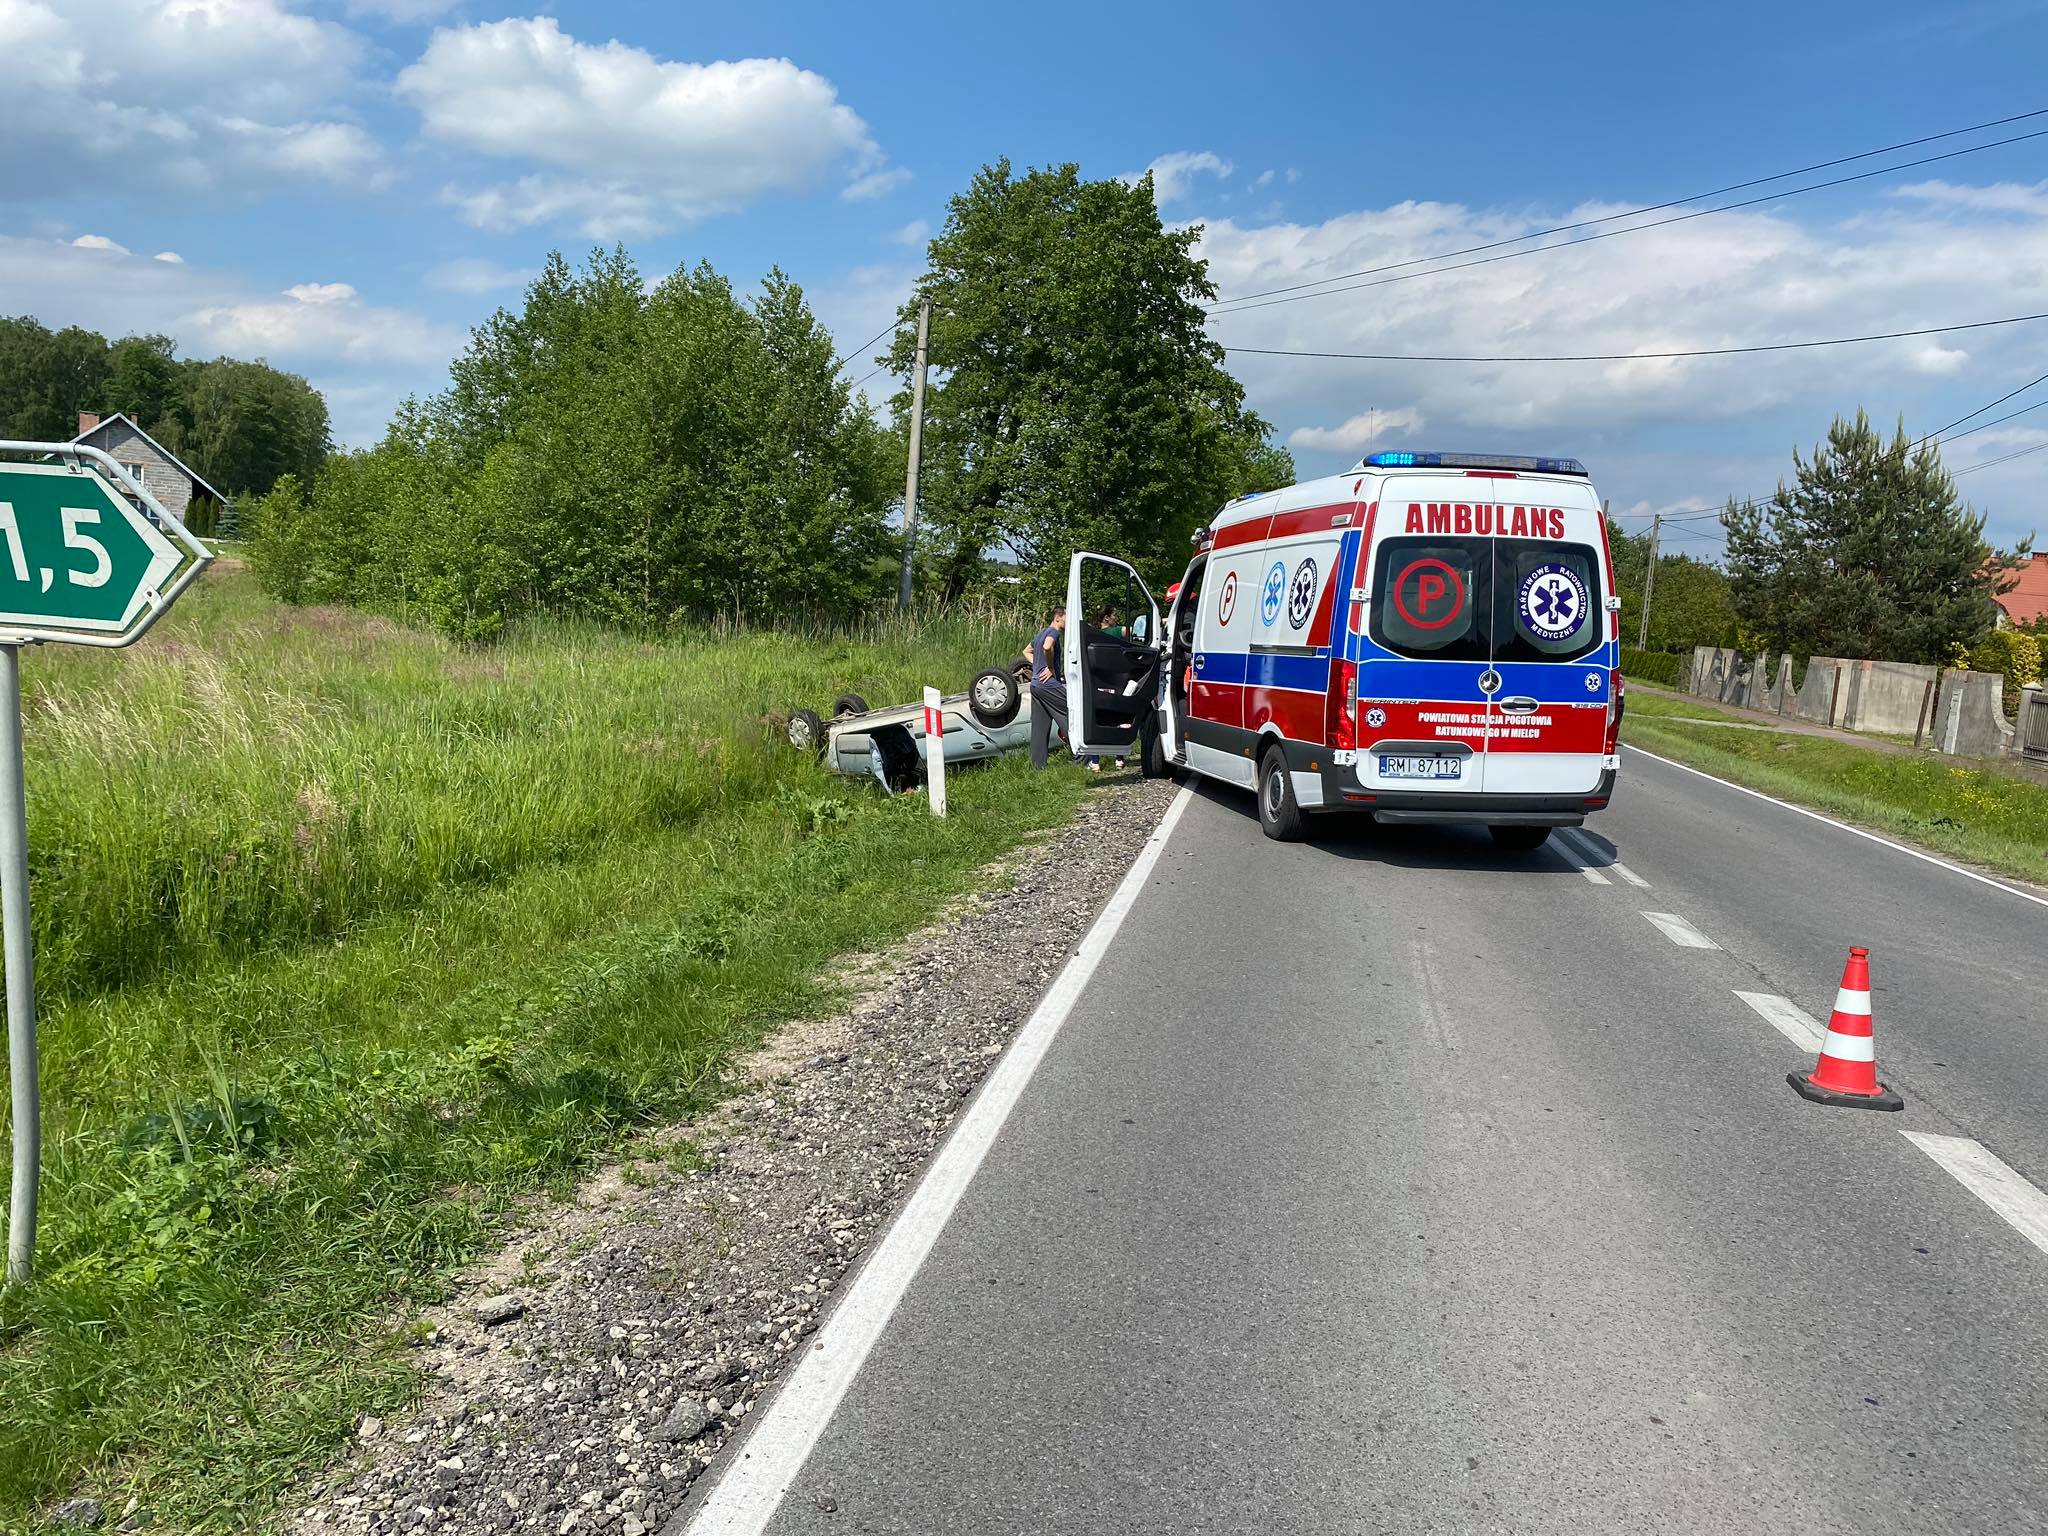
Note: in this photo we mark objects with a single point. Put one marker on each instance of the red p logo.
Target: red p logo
(1438, 593)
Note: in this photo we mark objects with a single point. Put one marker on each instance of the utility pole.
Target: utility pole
(1649, 583)
(924, 330)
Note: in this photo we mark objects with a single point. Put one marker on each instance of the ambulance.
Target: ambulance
(1429, 637)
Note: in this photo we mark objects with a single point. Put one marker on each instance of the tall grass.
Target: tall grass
(258, 776)
(405, 935)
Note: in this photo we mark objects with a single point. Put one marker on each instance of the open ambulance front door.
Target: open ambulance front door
(1113, 656)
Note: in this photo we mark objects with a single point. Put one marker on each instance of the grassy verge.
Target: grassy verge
(562, 886)
(1972, 813)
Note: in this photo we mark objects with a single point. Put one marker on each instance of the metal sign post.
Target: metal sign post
(85, 551)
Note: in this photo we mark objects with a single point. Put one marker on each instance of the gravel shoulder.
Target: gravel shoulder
(586, 1376)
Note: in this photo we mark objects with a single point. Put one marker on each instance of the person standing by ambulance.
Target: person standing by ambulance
(1048, 687)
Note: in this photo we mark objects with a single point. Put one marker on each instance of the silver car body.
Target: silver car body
(870, 744)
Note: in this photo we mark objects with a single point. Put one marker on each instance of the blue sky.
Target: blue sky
(348, 185)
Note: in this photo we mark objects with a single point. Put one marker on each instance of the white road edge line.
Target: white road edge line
(772, 1456)
(1591, 850)
(1884, 842)
(1679, 931)
(2024, 1208)
(1788, 1018)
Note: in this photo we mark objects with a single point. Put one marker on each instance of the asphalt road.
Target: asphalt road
(1389, 1183)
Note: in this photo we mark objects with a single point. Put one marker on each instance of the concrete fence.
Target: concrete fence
(1951, 710)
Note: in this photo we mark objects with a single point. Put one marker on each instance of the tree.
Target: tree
(1868, 554)
(250, 424)
(1689, 605)
(1077, 398)
(611, 451)
(48, 377)
(145, 383)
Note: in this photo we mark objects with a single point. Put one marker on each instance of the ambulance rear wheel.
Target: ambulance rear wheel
(1520, 839)
(1280, 815)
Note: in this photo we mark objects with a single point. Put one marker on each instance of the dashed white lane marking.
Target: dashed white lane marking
(1788, 1018)
(1575, 857)
(746, 1496)
(1593, 853)
(2024, 1208)
(1679, 931)
(1883, 842)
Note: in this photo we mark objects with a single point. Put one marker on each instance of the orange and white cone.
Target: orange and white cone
(1847, 1070)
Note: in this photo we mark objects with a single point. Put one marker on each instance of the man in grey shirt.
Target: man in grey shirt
(1048, 687)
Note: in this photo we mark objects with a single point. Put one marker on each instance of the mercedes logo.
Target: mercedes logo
(1489, 681)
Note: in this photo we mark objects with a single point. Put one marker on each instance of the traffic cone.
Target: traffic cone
(1847, 1071)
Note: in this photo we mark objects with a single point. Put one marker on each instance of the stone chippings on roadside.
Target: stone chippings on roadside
(647, 1335)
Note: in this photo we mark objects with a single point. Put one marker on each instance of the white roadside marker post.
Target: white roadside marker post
(87, 557)
(935, 751)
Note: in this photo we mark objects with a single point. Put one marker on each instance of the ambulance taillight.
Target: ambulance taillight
(1344, 728)
(1613, 714)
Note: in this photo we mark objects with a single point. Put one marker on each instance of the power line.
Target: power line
(856, 384)
(2002, 459)
(1994, 421)
(1631, 357)
(1936, 435)
(1676, 202)
(1633, 229)
(840, 362)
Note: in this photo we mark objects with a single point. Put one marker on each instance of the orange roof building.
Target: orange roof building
(2028, 598)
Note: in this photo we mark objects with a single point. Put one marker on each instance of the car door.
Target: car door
(1112, 654)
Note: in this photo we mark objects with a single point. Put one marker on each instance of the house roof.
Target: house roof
(190, 473)
(2027, 599)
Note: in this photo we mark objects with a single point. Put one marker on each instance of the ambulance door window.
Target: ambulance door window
(1432, 597)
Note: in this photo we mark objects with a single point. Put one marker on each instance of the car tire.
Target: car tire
(1280, 814)
(1520, 839)
(1152, 761)
(993, 697)
(849, 704)
(807, 731)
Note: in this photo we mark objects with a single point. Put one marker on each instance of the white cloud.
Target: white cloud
(170, 256)
(875, 184)
(321, 293)
(1359, 433)
(471, 274)
(916, 232)
(402, 12)
(2004, 197)
(99, 243)
(628, 144)
(188, 97)
(1263, 179)
(1659, 429)
(363, 357)
(1173, 175)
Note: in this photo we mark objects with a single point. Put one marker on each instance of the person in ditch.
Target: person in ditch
(1048, 687)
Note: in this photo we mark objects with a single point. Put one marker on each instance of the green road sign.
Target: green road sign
(75, 553)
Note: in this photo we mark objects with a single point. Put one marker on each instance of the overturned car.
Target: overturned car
(888, 745)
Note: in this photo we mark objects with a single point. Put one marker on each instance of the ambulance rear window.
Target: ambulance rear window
(1431, 597)
(1550, 599)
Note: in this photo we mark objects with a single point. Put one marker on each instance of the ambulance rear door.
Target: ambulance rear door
(1553, 646)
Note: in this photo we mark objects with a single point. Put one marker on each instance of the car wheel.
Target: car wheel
(806, 731)
(993, 697)
(849, 704)
(1280, 815)
(1520, 839)
(1152, 761)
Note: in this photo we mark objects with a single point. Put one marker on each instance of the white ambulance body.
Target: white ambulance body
(1426, 638)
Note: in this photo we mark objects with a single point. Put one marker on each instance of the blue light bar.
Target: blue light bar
(1509, 461)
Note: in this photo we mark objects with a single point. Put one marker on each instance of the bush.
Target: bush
(1660, 667)
(2015, 654)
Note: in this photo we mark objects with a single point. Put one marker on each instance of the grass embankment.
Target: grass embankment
(351, 941)
(1974, 813)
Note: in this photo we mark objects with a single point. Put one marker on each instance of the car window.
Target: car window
(1548, 599)
(1431, 598)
